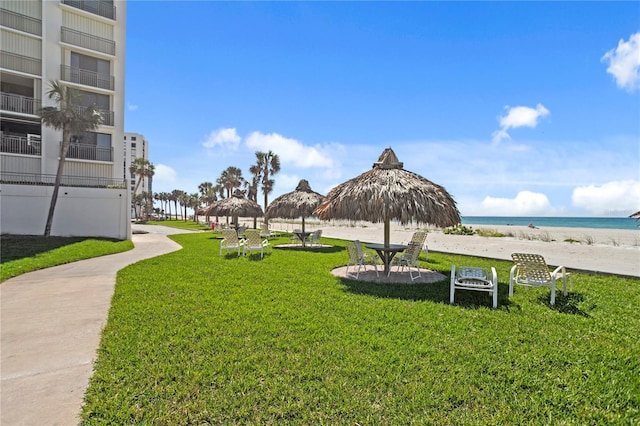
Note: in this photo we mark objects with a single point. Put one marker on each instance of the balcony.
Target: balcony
(20, 22)
(24, 145)
(107, 116)
(88, 41)
(105, 9)
(49, 180)
(88, 78)
(20, 63)
(81, 151)
(18, 103)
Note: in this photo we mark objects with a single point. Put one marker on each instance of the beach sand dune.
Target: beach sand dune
(614, 251)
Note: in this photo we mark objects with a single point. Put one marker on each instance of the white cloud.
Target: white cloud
(624, 63)
(132, 107)
(520, 116)
(619, 197)
(226, 137)
(526, 203)
(290, 151)
(164, 173)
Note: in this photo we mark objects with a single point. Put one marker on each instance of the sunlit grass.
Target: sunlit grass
(198, 338)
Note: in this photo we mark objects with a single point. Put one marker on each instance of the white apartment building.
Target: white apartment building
(80, 43)
(136, 146)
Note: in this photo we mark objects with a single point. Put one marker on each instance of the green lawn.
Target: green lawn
(22, 254)
(197, 338)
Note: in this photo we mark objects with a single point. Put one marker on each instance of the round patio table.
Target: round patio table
(386, 253)
(302, 236)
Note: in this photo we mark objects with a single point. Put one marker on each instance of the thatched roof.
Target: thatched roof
(388, 192)
(295, 204)
(236, 206)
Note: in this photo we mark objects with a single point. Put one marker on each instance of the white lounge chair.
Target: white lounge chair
(477, 279)
(230, 241)
(531, 270)
(253, 242)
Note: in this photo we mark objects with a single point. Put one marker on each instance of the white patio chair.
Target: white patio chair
(531, 270)
(253, 242)
(265, 232)
(477, 279)
(314, 238)
(408, 259)
(358, 258)
(230, 241)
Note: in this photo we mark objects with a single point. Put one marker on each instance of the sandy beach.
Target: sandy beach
(614, 251)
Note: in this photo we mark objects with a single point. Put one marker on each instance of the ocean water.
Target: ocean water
(564, 222)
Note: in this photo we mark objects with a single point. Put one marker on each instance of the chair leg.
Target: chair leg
(452, 284)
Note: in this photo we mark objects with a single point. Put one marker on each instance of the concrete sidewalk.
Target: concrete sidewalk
(50, 324)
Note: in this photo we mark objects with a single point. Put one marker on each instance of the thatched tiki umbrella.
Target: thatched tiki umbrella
(295, 204)
(235, 206)
(386, 192)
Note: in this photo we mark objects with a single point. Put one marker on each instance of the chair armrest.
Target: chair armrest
(557, 270)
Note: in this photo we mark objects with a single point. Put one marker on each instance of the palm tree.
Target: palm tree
(252, 189)
(194, 203)
(137, 200)
(230, 179)
(73, 120)
(175, 197)
(184, 202)
(269, 165)
(207, 195)
(147, 199)
(141, 168)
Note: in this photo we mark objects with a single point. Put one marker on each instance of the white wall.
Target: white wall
(80, 212)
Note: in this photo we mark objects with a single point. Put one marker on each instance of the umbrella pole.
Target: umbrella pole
(302, 223)
(387, 232)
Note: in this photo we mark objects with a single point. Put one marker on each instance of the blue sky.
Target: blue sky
(516, 108)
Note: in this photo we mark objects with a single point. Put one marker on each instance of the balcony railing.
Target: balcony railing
(20, 63)
(19, 103)
(26, 145)
(88, 41)
(103, 8)
(83, 151)
(88, 78)
(20, 22)
(49, 180)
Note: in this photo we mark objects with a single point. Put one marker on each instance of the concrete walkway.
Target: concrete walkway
(50, 324)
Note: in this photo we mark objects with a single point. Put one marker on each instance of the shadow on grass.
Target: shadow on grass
(435, 292)
(14, 247)
(314, 249)
(568, 304)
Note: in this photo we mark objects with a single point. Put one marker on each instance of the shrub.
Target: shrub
(459, 229)
(486, 232)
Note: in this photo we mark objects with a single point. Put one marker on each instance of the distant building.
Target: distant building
(82, 45)
(136, 146)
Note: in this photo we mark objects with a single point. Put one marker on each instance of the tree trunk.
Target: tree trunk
(56, 185)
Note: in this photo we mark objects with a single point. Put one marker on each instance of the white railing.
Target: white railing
(88, 78)
(26, 145)
(88, 41)
(19, 103)
(102, 8)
